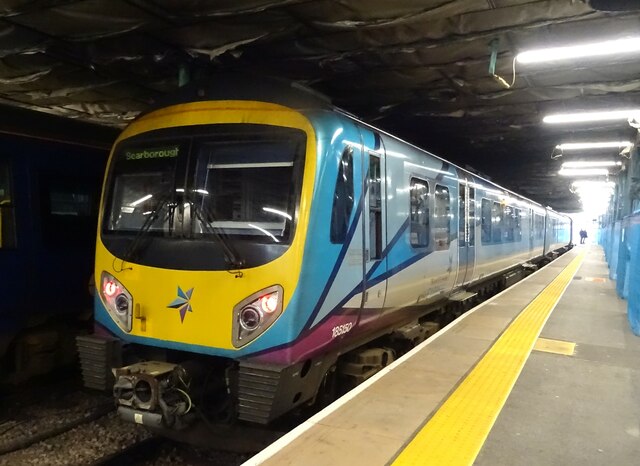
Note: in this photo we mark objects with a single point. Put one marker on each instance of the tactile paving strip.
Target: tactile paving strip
(456, 432)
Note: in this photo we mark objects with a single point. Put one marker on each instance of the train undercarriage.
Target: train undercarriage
(190, 397)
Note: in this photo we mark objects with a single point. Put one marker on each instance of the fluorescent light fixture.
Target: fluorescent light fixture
(583, 171)
(595, 49)
(593, 145)
(591, 116)
(141, 200)
(600, 164)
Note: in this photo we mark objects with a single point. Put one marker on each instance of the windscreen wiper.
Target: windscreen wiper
(142, 231)
(230, 253)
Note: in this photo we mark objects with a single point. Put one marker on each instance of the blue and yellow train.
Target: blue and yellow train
(254, 243)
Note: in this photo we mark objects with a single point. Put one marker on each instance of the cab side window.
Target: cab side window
(7, 214)
(342, 198)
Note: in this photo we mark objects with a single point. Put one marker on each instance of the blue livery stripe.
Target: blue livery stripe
(337, 265)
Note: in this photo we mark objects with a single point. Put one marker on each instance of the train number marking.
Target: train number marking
(341, 329)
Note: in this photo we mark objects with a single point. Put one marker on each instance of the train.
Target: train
(257, 245)
(49, 199)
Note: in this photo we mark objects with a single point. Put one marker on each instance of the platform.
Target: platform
(547, 372)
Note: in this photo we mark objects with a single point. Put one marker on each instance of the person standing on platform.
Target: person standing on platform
(583, 236)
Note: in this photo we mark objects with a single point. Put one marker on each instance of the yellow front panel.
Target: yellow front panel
(215, 293)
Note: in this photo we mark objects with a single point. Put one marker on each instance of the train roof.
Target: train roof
(230, 86)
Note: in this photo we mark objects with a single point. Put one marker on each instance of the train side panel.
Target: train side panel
(48, 211)
(422, 224)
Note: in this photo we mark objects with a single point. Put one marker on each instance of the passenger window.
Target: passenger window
(441, 218)
(7, 214)
(486, 221)
(342, 198)
(375, 208)
(68, 204)
(65, 201)
(497, 222)
(419, 212)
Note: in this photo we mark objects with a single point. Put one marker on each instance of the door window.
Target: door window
(375, 208)
(441, 218)
(472, 217)
(419, 211)
(462, 218)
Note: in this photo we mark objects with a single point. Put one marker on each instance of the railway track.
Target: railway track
(55, 426)
(21, 442)
(137, 453)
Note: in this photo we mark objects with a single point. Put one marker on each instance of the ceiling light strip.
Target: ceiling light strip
(583, 171)
(596, 49)
(594, 164)
(623, 114)
(593, 145)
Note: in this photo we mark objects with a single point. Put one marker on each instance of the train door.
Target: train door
(374, 239)
(466, 232)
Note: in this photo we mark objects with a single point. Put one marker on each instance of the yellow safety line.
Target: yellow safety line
(457, 431)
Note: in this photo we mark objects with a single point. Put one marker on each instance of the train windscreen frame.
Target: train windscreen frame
(237, 184)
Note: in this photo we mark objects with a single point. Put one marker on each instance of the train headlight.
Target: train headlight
(122, 304)
(253, 315)
(250, 318)
(117, 300)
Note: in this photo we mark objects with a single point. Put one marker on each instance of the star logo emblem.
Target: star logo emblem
(182, 303)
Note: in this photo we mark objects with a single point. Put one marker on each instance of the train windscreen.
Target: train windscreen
(240, 181)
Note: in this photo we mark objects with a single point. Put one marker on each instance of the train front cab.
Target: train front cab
(184, 277)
